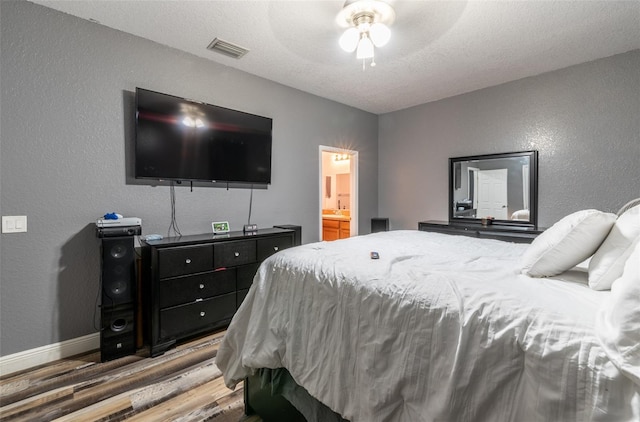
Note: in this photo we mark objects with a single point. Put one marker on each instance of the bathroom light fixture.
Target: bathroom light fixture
(367, 23)
(341, 157)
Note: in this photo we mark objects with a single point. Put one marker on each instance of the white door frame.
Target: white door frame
(474, 171)
(525, 186)
(353, 199)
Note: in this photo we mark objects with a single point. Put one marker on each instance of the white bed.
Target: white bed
(440, 328)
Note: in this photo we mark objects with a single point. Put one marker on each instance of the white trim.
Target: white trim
(49, 353)
(354, 193)
(475, 172)
(525, 186)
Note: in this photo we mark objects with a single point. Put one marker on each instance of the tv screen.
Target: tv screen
(180, 139)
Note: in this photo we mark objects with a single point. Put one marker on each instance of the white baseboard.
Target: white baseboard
(49, 353)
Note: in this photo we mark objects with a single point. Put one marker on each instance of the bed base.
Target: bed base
(269, 393)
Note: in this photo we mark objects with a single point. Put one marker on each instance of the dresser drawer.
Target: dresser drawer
(230, 254)
(245, 275)
(460, 232)
(179, 290)
(196, 316)
(240, 295)
(445, 229)
(510, 237)
(271, 245)
(185, 260)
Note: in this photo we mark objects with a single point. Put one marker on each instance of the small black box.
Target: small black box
(250, 228)
(379, 225)
(118, 231)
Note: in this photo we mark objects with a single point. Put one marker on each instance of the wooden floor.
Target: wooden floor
(184, 384)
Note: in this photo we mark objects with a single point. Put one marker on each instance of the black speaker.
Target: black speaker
(117, 334)
(117, 310)
(379, 225)
(118, 271)
(297, 232)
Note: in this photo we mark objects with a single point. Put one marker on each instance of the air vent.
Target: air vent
(226, 48)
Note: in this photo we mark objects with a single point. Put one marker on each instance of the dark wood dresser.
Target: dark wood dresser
(507, 233)
(194, 284)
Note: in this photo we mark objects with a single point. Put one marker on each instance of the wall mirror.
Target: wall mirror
(501, 186)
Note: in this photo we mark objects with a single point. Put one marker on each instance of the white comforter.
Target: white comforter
(440, 328)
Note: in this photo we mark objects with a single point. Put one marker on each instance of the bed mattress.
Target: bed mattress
(439, 328)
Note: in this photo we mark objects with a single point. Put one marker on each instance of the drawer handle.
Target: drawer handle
(188, 261)
(236, 254)
(201, 313)
(275, 248)
(202, 286)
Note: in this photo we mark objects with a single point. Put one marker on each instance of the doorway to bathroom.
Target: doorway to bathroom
(338, 214)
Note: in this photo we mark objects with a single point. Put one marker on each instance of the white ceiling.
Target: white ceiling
(438, 48)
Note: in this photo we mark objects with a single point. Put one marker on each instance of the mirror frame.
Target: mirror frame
(533, 189)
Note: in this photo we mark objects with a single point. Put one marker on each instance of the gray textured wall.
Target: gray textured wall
(66, 119)
(583, 120)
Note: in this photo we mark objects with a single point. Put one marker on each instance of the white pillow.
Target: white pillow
(608, 262)
(618, 320)
(567, 243)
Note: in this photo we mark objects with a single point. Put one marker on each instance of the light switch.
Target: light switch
(14, 223)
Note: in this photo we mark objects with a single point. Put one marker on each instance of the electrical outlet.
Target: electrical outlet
(14, 223)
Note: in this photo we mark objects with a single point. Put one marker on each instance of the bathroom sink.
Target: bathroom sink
(336, 217)
(336, 214)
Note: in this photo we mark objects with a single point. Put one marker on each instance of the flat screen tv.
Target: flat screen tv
(185, 140)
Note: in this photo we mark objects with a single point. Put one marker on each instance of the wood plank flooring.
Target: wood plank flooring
(183, 385)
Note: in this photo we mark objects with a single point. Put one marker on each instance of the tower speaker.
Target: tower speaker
(117, 334)
(379, 225)
(117, 311)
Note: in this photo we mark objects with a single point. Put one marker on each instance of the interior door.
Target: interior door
(492, 194)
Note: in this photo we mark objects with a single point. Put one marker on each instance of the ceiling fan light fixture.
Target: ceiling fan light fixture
(349, 40)
(365, 48)
(380, 34)
(367, 26)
